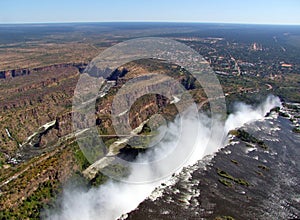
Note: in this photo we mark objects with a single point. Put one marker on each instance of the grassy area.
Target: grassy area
(245, 136)
(229, 177)
(225, 182)
(32, 205)
(81, 160)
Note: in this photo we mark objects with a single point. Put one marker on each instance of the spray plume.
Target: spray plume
(112, 199)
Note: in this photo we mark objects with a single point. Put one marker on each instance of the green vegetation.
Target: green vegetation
(288, 93)
(225, 182)
(228, 176)
(296, 129)
(48, 187)
(51, 95)
(110, 141)
(81, 160)
(242, 182)
(233, 132)
(224, 174)
(92, 148)
(245, 136)
(234, 161)
(32, 205)
(263, 167)
(99, 179)
(116, 170)
(249, 145)
(146, 130)
(259, 173)
(276, 109)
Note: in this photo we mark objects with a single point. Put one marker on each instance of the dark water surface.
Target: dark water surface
(272, 172)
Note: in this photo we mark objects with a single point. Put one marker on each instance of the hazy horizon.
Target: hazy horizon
(146, 22)
(271, 12)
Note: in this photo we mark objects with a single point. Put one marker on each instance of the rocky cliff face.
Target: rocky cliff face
(8, 74)
(146, 105)
(38, 152)
(31, 101)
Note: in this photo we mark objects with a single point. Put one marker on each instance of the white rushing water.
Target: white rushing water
(112, 199)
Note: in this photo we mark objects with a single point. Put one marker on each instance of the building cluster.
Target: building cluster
(240, 58)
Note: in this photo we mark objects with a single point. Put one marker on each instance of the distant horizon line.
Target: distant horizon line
(133, 21)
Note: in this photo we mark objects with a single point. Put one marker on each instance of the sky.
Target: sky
(211, 11)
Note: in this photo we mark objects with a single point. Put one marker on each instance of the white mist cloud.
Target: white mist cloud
(245, 113)
(111, 200)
